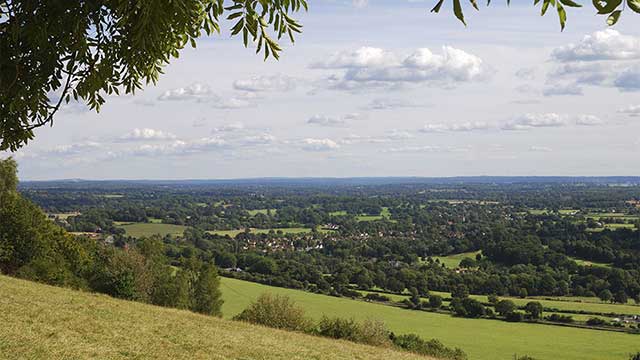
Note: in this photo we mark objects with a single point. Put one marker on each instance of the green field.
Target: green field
(481, 339)
(261, 211)
(44, 322)
(137, 230)
(233, 233)
(588, 263)
(453, 261)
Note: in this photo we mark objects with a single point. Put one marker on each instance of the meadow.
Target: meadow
(480, 339)
(453, 261)
(137, 230)
(45, 322)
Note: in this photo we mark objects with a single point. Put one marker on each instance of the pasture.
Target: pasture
(481, 339)
(453, 261)
(137, 230)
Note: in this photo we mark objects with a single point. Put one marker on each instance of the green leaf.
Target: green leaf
(570, 3)
(614, 17)
(436, 9)
(606, 6)
(634, 5)
(562, 15)
(457, 10)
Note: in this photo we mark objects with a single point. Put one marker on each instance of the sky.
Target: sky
(373, 88)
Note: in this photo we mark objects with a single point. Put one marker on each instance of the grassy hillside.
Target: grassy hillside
(480, 339)
(44, 322)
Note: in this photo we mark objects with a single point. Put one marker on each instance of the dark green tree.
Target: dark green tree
(207, 298)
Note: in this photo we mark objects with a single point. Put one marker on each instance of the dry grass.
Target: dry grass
(44, 322)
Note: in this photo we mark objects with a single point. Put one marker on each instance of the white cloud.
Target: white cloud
(602, 45)
(588, 120)
(260, 139)
(324, 120)
(467, 126)
(629, 79)
(562, 89)
(311, 144)
(197, 91)
(530, 121)
(277, 82)
(399, 135)
(526, 73)
(368, 67)
(180, 147)
(389, 104)
(631, 110)
(147, 134)
(232, 127)
(75, 149)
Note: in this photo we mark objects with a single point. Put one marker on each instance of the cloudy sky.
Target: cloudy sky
(377, 88)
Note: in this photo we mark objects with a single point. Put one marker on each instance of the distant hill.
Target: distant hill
(44, 322)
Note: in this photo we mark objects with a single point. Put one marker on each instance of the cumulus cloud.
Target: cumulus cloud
(75, 149)
(195, 91)
(260, 139)
(180, 147)
(631, 110)
(562, 89)
(530, 121)
(147, 134)
(467, 126)
(588, 120)
(311, 144)
(232, 127)
(334, 121)
(526, 73)
(369, 67)
(629, 79)
(605, 58)
(602, 45)
(277, 82)
(360, 3)
(389, 104)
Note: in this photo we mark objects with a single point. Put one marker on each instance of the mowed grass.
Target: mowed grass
(44, 322)
(453, 261)
(261, 211)
(481, 339)
(137, 230)
(589, 263)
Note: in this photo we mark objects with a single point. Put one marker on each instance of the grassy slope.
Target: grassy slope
(43, 322)
(481, 339)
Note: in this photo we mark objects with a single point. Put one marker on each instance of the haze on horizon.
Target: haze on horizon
(378, 88)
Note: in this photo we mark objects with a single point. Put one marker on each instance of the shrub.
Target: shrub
(596, 322)
(275, 311)
(514, 316)
(635, 356)
(368, 332)
(435, 301)
(377, 297)
(560, 318)
(435, 348)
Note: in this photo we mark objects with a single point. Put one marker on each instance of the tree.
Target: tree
(534, 309)
(621, 297)
(605, 295)
(435, 301)
(207, 298)
(505, 307)
(54, 51)
(460, 292)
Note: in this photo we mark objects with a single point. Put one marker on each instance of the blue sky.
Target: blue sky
(377, 88)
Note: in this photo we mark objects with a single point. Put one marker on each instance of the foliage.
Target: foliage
(435, 348)
(505, 307)
(366, 332)
(534, 309)
(612, 9)
(275, 311)
(55, 51)
(206, 293)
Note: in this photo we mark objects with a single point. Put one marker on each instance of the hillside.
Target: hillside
(480, 339)
(44, 322)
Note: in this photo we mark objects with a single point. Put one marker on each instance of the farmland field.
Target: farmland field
(147, 229)
(481, 339)
(453, 261)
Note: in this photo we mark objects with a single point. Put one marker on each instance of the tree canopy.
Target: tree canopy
(56, 51)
